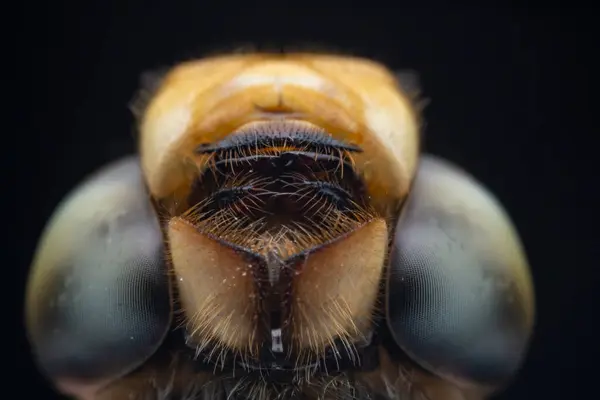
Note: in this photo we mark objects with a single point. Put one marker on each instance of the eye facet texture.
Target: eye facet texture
(98, 297)
(460, 297)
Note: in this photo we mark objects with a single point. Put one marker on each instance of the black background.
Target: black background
(510, 91)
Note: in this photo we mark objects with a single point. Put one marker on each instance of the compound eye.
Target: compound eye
(460, 299)
(98, 295)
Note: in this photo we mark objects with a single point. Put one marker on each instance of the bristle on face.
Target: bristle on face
(276, 239)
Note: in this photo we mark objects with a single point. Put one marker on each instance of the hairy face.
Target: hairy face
(280, 236)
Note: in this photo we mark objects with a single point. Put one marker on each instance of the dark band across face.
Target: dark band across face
(278, 135)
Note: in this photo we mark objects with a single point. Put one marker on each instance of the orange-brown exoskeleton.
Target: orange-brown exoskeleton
(280, 236)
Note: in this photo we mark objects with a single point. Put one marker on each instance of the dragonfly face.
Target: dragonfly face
(280, 236)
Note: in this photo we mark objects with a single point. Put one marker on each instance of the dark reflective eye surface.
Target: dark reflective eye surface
(98, 299)
(460, 299)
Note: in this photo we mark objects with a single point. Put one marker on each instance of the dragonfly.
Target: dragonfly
(280, 234)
